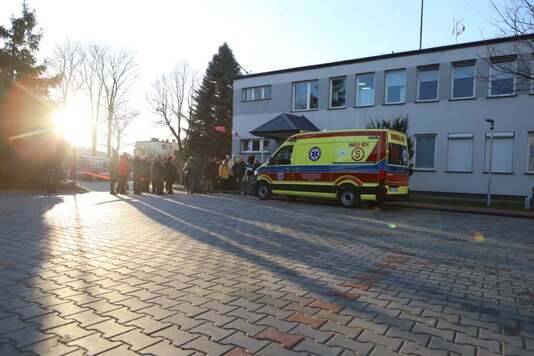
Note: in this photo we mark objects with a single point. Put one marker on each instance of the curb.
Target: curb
(449, 208)
(468, 210)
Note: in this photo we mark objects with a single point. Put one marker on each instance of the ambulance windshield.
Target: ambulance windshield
(398, 154)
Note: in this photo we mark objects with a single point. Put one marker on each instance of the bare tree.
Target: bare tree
(514, 18)
(116, 70)
(122, 120)
(93, 87)
(66, 61)
(171, 99)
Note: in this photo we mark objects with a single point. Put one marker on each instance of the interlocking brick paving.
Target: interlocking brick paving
(226, 275)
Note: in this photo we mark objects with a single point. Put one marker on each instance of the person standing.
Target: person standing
(145, 176)
(210, 174)
(113, 172)
(231, 171)
(187, 175)
(137, 174)
(224, 173)
(158, 175)
(250, 160)
(170, 174)
(196, 171)
(124, 173)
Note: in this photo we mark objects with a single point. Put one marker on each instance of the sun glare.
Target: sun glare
(72, 123)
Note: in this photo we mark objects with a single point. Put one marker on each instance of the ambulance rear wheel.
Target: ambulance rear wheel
(263, 191)
(348, 197)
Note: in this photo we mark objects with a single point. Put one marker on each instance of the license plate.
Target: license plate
(393, 189)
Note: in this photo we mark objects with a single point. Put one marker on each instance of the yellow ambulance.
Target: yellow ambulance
(348, 165)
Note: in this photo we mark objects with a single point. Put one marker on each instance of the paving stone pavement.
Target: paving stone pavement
(227, 275)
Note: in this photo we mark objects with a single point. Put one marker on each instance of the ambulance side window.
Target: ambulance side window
(283, 156)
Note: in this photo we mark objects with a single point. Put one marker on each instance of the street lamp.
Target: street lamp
(491, 124)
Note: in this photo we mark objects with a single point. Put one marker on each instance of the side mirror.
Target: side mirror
(270, 161)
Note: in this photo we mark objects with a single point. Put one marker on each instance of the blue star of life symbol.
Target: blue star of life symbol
(315, 153)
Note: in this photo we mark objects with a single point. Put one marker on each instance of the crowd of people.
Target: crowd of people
(215, 174)
(157, 175)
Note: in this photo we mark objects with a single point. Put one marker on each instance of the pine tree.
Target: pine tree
(24, 104)
(209, 133)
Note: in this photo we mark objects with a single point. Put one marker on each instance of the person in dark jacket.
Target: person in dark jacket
(113, 172)
(124, 173)
(145, 174)
(195, 173)
(187, 175)
(158, 175)
(211, 172)
(170, 174)
(250, 160)
(137, 174)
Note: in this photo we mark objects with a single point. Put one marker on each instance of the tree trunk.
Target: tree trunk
(110, 131)
(94, 124)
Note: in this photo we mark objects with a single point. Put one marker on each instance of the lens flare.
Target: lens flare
(73, 123)
(478, 237)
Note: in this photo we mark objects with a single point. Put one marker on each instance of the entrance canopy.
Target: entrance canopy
(283, 126)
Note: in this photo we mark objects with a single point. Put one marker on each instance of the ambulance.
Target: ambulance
(348, 165)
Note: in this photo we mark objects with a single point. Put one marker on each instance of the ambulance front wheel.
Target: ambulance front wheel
(348, 197)
(263, 191)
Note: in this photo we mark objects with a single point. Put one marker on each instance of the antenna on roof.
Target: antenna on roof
(241, 67)
(421, 27)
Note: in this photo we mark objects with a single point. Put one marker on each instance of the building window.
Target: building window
(305, 95)
(530, 167)
(254, 145)
(425, 146)
(365, 89)
(395, 86)
(502, 78)
(256, 93)
(428, 83)
(338, 92)
(460, 153)
(463, 81)
(502, 152)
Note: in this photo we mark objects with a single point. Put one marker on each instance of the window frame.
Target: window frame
(418, 90)
(386, 102)
(500, 134)
(281, 148)
(527, 170)
(514, 78)
(358, 105)
(460, 65)
(330, 106)
(461, 136)
(250, 145)
(308, 95)
(244, 96)
(424, 169)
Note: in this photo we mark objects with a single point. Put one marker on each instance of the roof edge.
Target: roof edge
(392, 55)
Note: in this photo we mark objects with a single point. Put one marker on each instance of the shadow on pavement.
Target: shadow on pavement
(300, 248)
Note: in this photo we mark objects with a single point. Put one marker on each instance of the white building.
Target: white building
(156, 147)
(446, 92)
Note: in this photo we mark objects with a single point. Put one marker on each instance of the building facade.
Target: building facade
(447, 93)
(156, 147)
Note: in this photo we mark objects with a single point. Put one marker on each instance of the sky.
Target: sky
(264, 35)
